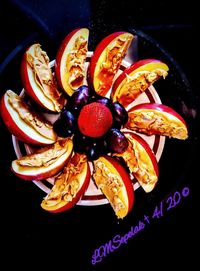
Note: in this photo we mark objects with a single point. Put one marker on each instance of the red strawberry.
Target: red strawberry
(95, 119)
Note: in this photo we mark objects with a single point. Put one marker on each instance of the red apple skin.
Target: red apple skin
(97, 53)
(79, 194)
(99, 49)
(126, 180)
(146, 146)
(41, 173)
(26, 81)
(131, 69)
(158, 107)
(33, 92)
(60, 54)
(13, 128)
(42, 176)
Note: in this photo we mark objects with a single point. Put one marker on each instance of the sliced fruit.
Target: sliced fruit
(135, 79)
(107, 59)
(95, 119)
(44, 163)
(115, 183)
(69, 185)
(24, 122)
(70, 60)
(39, 81)
(141, 161)
(157, 119)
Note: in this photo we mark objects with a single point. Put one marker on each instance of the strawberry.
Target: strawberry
(94, 120)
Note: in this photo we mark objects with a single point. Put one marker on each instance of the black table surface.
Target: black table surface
(33, 236)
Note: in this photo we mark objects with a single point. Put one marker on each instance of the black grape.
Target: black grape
(105, 101)
(80, 142)
(93, 152)
(78, 99)
(65, 125)
(116, 141)
(120, 114)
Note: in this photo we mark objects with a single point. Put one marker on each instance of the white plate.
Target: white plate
(94, 196)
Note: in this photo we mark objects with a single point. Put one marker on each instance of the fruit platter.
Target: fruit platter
(89, 128)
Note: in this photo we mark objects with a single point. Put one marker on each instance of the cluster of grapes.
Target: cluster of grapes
(67, 125)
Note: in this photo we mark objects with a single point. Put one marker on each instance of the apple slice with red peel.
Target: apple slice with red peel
(39, 81)
(24, 122)
(44, 163)
(69, 185)
(70, 60)
(115, 183)
(141, 161)
(135, 79)
(107, 59)
(158, 119)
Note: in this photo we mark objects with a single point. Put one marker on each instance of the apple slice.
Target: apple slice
(69, 186)
(23, 122)
(70, 60)
(135, 79)
(156, 119)
(39, 81)
(114, 181)
(44, 163)
(141, 161)
(107, 59)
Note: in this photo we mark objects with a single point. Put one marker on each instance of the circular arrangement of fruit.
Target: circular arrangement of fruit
(98, 128)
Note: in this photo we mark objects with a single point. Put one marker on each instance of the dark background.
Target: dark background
(33, 236)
